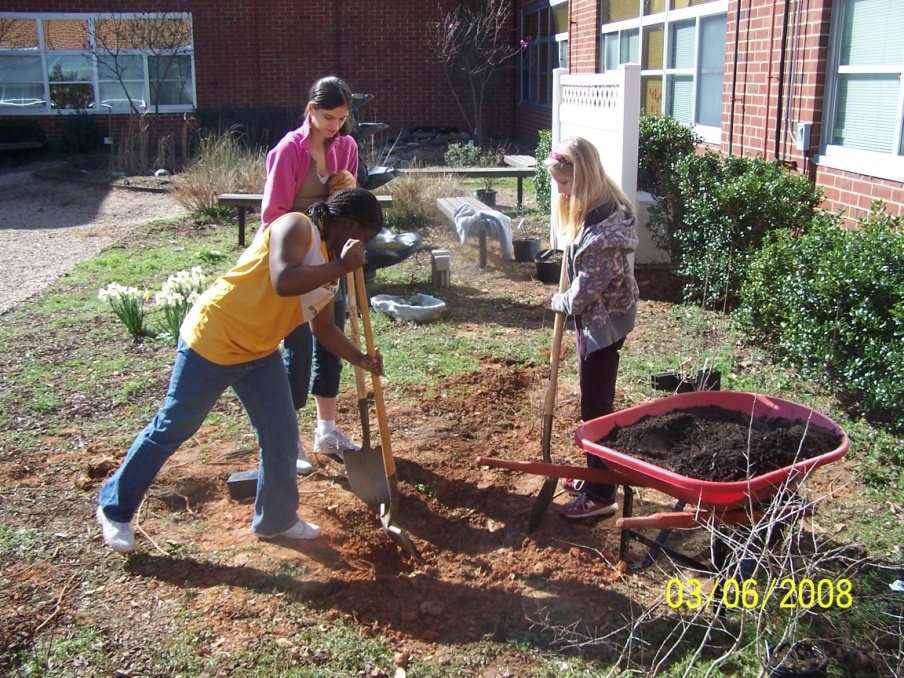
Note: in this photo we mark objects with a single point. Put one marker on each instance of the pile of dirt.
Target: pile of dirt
(712, 443)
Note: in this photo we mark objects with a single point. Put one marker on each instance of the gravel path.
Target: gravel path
(49, 226)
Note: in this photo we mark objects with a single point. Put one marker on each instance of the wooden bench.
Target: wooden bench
(522, 161)
(448, 207)
(245, 201)
(518, 173)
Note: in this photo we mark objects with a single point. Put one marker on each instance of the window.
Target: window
(681, 52)
(544, 43)
(110, 62)
(864, 105)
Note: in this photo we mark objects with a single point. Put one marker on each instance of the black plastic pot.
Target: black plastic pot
(549, 265)
(526, 248)
(487, 196)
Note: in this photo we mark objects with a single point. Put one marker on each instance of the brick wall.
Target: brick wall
(759, 122)
(256, 53)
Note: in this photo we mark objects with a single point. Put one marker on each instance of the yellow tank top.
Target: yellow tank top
(241, 318)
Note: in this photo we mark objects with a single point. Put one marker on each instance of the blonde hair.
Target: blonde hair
(591, 186)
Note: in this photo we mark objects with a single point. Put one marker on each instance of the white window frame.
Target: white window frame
(98, 108)
(698, 13)
(888, 166)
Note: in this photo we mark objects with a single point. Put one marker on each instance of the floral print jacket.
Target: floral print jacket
(602, 291)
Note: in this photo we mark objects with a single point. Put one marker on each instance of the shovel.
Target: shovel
(371, 472)
(541, 503)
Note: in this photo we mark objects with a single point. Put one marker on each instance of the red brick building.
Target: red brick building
(241, 54)
(816, 84)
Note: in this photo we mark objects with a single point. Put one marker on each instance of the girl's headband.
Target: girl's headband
(558, 157)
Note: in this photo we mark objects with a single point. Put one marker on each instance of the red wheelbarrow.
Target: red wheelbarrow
(735, 502)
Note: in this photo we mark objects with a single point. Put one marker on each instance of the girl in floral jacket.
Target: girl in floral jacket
(597, 222)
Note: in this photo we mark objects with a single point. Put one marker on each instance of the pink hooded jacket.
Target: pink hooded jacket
(288, 163)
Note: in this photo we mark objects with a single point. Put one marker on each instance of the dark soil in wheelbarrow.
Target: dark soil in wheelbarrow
(712, 443)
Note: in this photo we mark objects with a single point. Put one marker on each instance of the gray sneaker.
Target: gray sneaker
(118, 536)
(334, 444)
(302, 466)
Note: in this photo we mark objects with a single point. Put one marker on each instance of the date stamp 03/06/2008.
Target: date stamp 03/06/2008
(751, 594)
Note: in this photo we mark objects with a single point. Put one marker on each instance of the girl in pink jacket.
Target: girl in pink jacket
(304, 168)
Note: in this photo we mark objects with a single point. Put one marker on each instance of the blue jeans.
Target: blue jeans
(301, 349)
(194, 388)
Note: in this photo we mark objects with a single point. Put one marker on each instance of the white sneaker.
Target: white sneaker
(300, 530)
(118, 536)
(302, 466)
(334, 444)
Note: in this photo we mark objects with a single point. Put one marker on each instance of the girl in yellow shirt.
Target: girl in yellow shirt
(231, 337)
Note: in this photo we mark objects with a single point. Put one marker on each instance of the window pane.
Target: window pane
(682, 47)
(69, 68)
(543, 23)
(563, 54)
(630, 46)
(610, 51)
(170, 80)
(21, 82)
(681, 98)
(872, 33)
(18, 34)
(651, 95)
(121, 66)
(866, 115)
(66, 34)
(117, 94)
(681, 4)
(711, 71)
(560, 18)
(709, 102)
(616, 10)
(652, 48)
(653, 7)
(71, 96)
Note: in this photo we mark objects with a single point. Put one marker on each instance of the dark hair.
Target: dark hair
(329, 93)
(357, 203)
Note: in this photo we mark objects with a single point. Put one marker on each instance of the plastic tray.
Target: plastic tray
(638, 472)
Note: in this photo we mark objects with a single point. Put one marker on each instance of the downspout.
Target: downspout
(781, 83)
(769, 73)
(734, 79)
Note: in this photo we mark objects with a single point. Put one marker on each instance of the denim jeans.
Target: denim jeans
(301, 350)
(195, 386)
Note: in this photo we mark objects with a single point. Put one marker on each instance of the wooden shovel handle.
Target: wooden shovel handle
(555, 352)
(355, 332)
(361, 292)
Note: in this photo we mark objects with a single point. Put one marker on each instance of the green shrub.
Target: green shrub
(466, 155)
(830, 302)
(81, 134)
(542, 186)
(729, 204)
(663, 141)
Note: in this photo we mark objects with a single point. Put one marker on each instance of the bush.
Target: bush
(222, 165)
(542, 186)
(81, 134)
(728, 206)
(414, 200)
(260, 126)
(466, 155)
(830, 302)
(663, 142)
